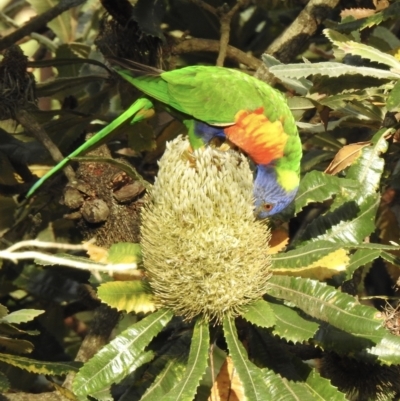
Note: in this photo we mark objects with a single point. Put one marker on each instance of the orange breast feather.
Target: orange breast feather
(254, 134)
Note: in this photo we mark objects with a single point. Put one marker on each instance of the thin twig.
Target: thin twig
(10, 254)
(225, 30)
(43, 244)
(38, 22)
(291, 42)
(56, 260)
(209, 45)
(206, 6)
(31, 125)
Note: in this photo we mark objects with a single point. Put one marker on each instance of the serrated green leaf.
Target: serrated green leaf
(323, 269)
(12, 330)
(330, 305)
(164, 372)
(21, 316)
(269, 351)
(315, 158)
(290, 325)
(121, 356)
(341, 311)
(196, 365)
(104, 395)
(323, 138)
(360, 258)
(388, 349)
(303, 256)
(301, 86)
(3, 311)
(354, 88)
(393, 11)
(16, 345)
(322, 389)
(260, 314)
(341, 100)
(352, 214)
(4, 383)
(255, 388)
(348, 224)
(385, 35)
(40, 367)
(349, 46)
(131, 296)
(282, 389)
(330, 338)
(317, 186)
(171, 375)
(367, 169)
(330, 69)
(124, 252)
(381, 247)
(369, 114)
(395, 260)
(217, 359)
(393, 100)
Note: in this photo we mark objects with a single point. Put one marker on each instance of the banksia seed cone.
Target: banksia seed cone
(204, 252)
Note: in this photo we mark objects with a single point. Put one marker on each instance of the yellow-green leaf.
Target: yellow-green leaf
(40, 367)
(21, 316)
(61, 25)
(131, 296)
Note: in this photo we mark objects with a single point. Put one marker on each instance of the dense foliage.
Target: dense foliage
(81, 321)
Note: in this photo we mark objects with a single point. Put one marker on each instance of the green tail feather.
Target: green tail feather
(137, 110)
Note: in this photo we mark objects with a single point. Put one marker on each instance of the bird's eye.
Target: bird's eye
(268, 207)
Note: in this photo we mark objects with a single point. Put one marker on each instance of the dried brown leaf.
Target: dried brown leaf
(227, 386)
(357, 13)
(381, 4)
(345, 157)
(279, 240)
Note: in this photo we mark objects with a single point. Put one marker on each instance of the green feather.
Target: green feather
(137, 110)
(213, 95)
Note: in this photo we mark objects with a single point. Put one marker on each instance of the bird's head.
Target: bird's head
(270, 197)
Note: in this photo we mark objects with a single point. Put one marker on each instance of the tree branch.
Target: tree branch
(11, 254)
(209, 45)
(31, 125)
(225, 30)
(52, 396)
(206, 6)
(38, 22)
(291, 42)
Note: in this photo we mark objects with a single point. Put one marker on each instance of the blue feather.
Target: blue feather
(208, 132)
(269, 197)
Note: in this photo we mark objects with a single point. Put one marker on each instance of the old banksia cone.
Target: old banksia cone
(204, 252)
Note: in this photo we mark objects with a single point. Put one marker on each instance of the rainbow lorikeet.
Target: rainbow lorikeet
(221, 102)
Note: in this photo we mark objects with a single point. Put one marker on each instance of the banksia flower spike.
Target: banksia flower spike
(204, 251)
